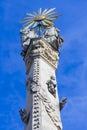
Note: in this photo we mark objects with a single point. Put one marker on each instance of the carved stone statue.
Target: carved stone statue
(62, 103)
(27, 35)
(51, 35)
(51, 31)
(24, 115)
(51, 86)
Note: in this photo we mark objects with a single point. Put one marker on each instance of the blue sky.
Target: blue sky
(71, 72)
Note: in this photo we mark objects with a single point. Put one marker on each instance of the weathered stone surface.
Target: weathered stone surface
(42, 103)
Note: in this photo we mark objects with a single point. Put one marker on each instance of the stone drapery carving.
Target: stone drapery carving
(62, 103)
(50, 109)
(52, 85)
(24, 115)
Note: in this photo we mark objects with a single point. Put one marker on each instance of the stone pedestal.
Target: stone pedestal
(42, 103)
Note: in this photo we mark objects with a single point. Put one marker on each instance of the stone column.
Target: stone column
(42, 103)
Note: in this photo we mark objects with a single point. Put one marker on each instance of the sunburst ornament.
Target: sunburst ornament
(41, 18)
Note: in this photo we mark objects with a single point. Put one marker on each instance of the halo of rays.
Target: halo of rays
(41, 18)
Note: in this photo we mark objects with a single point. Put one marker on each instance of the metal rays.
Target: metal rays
(41, 18)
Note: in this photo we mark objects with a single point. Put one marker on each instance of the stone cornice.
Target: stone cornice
(40, 48)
